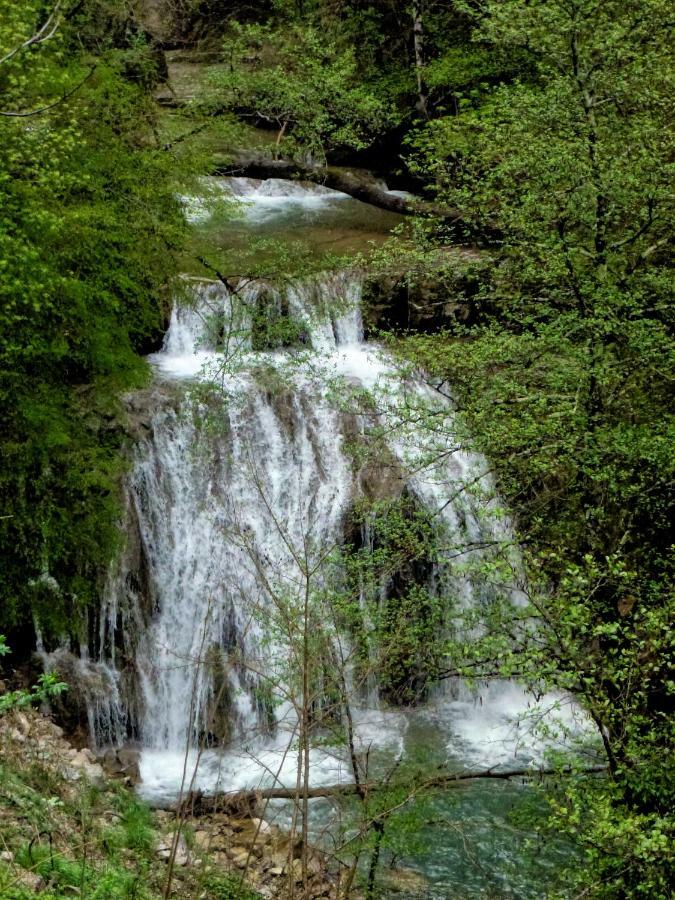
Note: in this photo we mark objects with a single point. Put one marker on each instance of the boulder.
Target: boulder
(122, 763)
(31, 881)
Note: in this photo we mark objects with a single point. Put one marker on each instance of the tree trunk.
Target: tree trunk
(236, 801)
(418, 41)
(358, 186)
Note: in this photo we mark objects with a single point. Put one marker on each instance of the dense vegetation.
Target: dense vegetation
(543, 128)
(87, 225)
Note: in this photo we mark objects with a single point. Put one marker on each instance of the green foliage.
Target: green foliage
(593, 812)
(134, 829)
(399, 638)
(77, 838)
(67, 876)
(88, 229)
(304, 84)
(48, 685)
(562, 381)
(228, 887)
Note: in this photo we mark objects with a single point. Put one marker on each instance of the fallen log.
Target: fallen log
(237, 803)
(347, 181)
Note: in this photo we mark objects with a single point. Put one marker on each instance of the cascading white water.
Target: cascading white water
(259, 199)
(212, 511)
(228, 488)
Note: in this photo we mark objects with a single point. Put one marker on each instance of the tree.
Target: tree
(563, 381)
(87, 216)
(304, 85)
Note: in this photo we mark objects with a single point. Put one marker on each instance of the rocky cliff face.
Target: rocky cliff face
(179, 23)
(158, 18)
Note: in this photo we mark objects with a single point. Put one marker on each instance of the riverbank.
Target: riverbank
(68, 826)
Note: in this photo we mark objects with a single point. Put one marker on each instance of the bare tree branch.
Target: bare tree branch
(41, 36)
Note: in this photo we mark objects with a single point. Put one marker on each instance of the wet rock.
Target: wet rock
(122, 763)
(128, 757)
(110, 762)
(402, 303)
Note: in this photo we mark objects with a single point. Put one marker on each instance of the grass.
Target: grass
(81, 841)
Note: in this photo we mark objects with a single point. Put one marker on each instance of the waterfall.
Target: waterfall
(246, 465)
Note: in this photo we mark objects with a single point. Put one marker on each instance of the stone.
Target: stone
(163, 815)
(83, 767)
(7, 856)
(22, 723)
(314, 866)
(276, 870)
(221, 818)
(31, 881)
(279, 859)
(240, 856)
(261, 826)
(203, 839)
(182, 856)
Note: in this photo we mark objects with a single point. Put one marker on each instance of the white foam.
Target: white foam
(259, 199)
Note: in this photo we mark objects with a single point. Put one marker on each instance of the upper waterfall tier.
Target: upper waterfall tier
(260, 199)
(220, 327)
(245, 221)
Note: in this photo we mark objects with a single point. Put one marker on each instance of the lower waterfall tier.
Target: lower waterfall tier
(259, 495)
